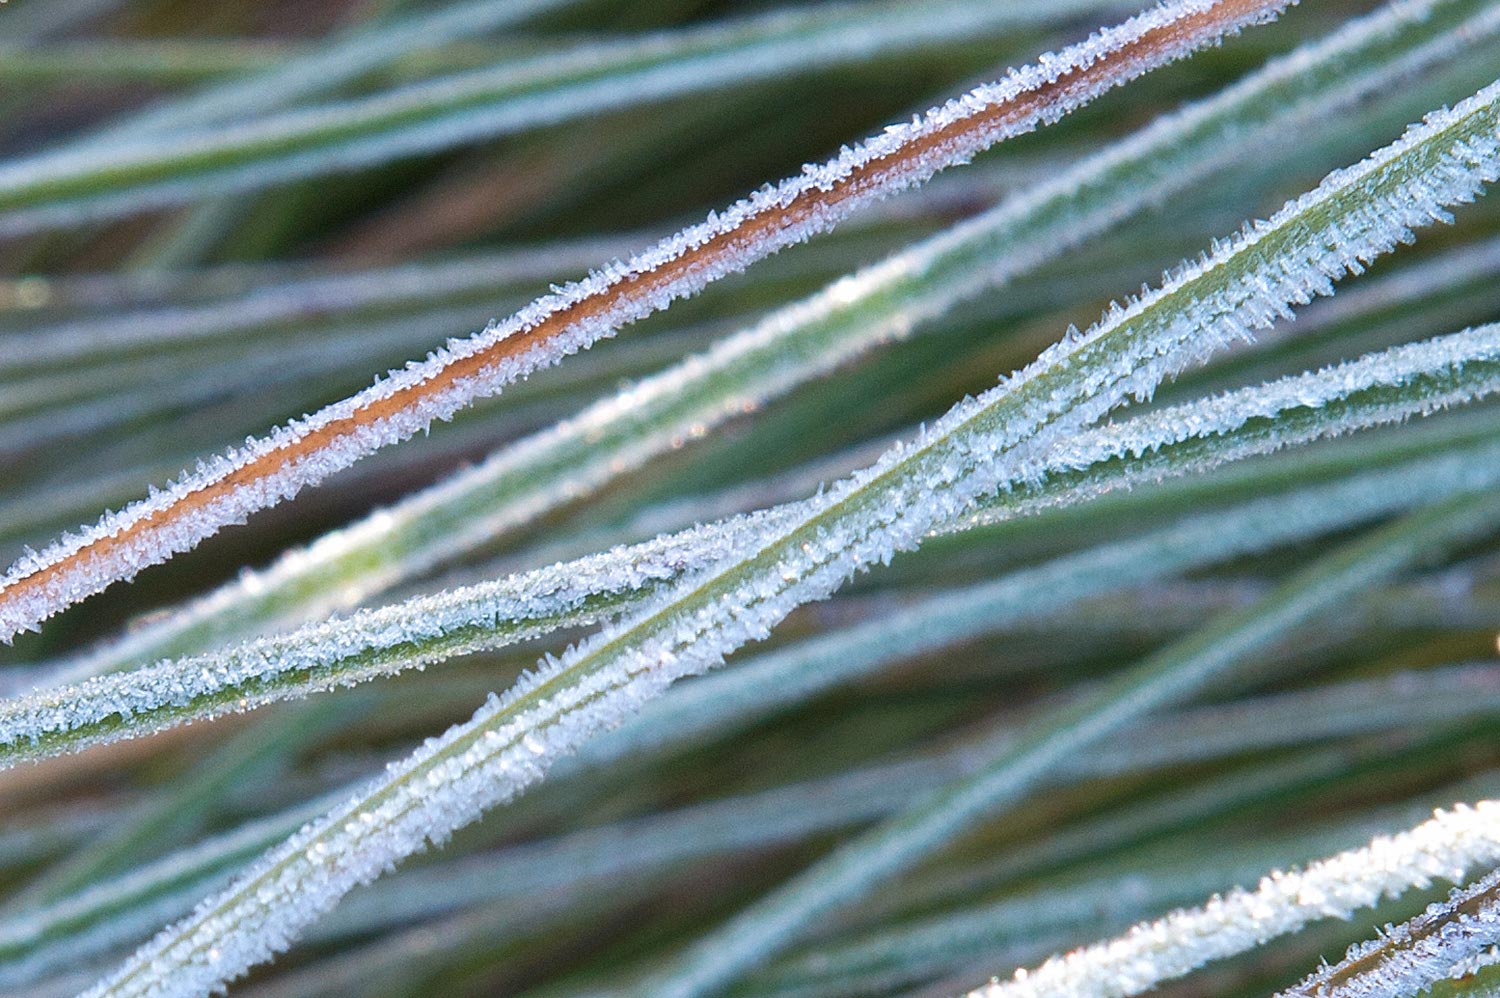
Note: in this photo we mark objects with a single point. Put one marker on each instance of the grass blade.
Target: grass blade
(793, 345)
(153, 171)
(1385, 387)
(1168, 677)
(1354, 216)
(305, 452)
(1452, 939)
(1445, 848)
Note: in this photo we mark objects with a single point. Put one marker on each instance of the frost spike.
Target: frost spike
(426, 630)
(1355, 214)
(1444, 848)
(405, 402)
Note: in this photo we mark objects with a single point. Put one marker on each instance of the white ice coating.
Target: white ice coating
(417, 632)
(1450, 939)
(986, 934)
(181, 530)
(1440, 358)
(1355, 215)
(86, 923)
(1448, 847)
(138, 900)
(794, 344)
(346, 651)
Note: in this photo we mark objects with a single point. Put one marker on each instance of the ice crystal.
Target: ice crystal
(430, 629)
(1451, 939)
(807, 339)
(405, 402)
(1353, 216)
(1445, 848)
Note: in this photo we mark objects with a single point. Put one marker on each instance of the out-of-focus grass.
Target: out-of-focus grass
(393, 181)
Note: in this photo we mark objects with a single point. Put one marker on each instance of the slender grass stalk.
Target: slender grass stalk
(118, 911)
(260, 749)
(1123, 660)
(1385, 387)
(476, 277)
(325, 68)
(519, 483)
(1451, 939)
(1306, 777)
(305, 452)
(157, 170)
(101, 917)
(859, 866)
(172, 63)
(1354, 216)
(1445, 848)
(915, 952)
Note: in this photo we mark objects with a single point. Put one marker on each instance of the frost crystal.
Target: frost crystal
(1353, 216)
(430, 629)
(789, 347)
(1451, 939)
(227, 489)
(1445, 848)
(855, 314)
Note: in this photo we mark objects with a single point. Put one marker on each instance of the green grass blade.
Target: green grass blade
(518, 484)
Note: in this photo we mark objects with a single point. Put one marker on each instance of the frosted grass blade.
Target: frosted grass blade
(1452, 939)
(177, 327)
(952, 942)
(98, 918)
(794, 345)
(1355, 215)
(265, 471)
(1382, 388)
(1445, 848)
(117, 911)
(1168, 677)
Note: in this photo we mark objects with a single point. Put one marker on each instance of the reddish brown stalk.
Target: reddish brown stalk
(58, 582)
(1426, 944)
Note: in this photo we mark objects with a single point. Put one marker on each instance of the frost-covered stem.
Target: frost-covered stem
(720, 702)
(1180, 812)
(1451, 939)
(812, 337)
(1353, 216)
(113, 912)
(170, 330)
(1384, 387)
(919, 949)
(267, 470)
(1448, 847)
(1167, 677)
(37, 940)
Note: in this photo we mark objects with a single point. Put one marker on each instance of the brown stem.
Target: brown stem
(754, 238)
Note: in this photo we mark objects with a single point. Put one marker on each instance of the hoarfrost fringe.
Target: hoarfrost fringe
(1445, 848)
(227, 489)
(430, 629)
(1451, 939)
(795, 344)
(1355, 215)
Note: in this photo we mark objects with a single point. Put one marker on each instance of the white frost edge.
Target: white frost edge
(1444, 848)
(180, 533)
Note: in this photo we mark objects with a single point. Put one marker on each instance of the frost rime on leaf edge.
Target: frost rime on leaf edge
(132, 541)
